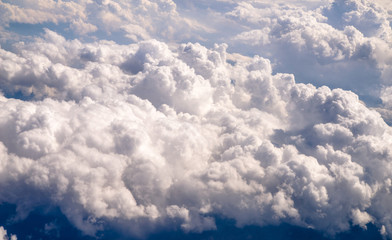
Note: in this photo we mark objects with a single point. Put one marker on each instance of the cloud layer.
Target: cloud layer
(141, 135)
(341, 44)
(162, 134)
(130, 20)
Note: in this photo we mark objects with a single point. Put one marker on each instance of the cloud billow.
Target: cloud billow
(146, 136)
(344, 44)
(159, 134)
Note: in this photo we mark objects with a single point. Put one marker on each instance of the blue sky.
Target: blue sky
(164, 119)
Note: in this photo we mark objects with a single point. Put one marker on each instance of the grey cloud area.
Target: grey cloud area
(140, 137)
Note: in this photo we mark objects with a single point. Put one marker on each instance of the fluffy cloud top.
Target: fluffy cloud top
(141, 135)
(151, 135)
(346, 44)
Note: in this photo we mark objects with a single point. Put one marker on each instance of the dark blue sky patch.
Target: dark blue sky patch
(19, 95)
(49, 223)
(43, 223)
(226, 230)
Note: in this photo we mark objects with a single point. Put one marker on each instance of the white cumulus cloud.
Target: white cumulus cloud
(162, 133)
(145, 136)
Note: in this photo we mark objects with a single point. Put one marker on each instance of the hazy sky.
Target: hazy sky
(161, 119)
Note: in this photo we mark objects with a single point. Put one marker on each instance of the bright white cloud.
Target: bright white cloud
(156, 135)
(142, 135)
(345, 44)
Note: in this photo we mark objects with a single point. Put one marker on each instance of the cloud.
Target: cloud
(121, 20)
(162, 134)
(4, 236)
(368, 17)
(151, 137)
(40, 11)
(343, 44)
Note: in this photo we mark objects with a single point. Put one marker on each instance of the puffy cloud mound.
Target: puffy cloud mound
(345, 43)
(4, 236)
(141, 137)
(341, 43)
